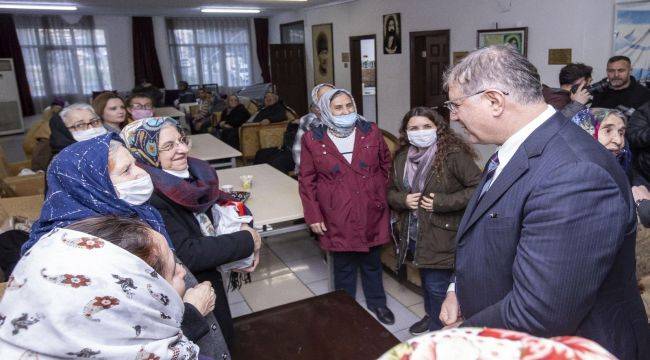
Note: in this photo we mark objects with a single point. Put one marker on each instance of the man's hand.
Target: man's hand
(202, 297)
(640, 193)
(581, 95)
(318, 228)
(450, 310)
(250, 269)
(412, 200)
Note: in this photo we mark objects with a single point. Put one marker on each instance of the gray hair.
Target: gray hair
(499, 67)
(75, 107)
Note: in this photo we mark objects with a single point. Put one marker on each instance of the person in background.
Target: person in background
(565, 100)
(203, 117)
(107, 301)
(185, 95)
(139, 106)
(232, 118)
(547, 243)
(623, 88)
(434, 176)
(608, 127)
(306, 122)
(186, 189)
(145, 87)
(110, 107)
(273, 110)
(36, 144)
(638, 134)
(99, 177)
(344, 170)
(77, 122)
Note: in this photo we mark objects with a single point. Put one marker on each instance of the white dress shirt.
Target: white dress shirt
(510, 147)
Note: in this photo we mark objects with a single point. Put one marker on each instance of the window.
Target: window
(211, 51)
(61, 59)
(293, 33)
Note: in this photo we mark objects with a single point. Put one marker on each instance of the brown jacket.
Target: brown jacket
(453, 188)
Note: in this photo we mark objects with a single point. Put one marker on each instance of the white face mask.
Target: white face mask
(135, 192)
(422, 138)
(88, 133)
(183, 174)
(345, 121)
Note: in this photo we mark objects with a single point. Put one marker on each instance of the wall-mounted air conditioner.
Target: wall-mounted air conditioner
(11, 115)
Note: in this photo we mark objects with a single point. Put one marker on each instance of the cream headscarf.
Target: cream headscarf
(326, 113)
(75, 295)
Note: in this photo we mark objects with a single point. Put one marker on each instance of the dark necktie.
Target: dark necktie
(491, 168)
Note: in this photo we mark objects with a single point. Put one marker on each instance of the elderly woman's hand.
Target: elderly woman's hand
(256, 260)
(257, 239)
(202, 297)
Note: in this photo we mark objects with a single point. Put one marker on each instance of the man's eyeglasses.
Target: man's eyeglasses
(171, 145)
(453, 105)
(84, 126)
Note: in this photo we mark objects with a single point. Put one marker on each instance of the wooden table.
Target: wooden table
(208, 148)
(274, 195)
(172, 112)
(330, 326)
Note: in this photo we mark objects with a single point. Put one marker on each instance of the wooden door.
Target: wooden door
(429, 60)
(289, 76)
(355, 72)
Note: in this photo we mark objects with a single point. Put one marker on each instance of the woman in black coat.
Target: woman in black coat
(232, 118)
(186, 190)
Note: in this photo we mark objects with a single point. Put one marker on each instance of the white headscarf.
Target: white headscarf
(314, 91)
(75, 295)
(326, 113)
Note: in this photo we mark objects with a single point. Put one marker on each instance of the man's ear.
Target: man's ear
(497, 101)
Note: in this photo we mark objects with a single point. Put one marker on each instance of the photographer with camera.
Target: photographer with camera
(623, 88)
(572, 96)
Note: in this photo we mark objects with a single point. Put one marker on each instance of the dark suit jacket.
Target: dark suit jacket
(549, 249)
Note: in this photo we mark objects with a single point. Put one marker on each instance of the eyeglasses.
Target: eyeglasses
(95, 122)
(168, 146)
(453, 106)
(141, 107)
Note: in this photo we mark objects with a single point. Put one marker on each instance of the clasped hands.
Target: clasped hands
(416, 199)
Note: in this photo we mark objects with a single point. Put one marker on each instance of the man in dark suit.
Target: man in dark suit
(546, 245)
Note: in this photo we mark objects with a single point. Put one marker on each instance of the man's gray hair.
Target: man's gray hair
(75, 107)
(499, 67)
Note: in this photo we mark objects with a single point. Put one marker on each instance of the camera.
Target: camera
(594, 88)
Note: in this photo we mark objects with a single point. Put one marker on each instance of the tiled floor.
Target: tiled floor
(292, 268)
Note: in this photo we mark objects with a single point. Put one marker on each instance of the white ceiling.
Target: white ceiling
(169, 7)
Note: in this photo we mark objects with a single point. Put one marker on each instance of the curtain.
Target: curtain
(62, 59)
(211, 51)
(10, 48)
(262, 39)
(145, 58)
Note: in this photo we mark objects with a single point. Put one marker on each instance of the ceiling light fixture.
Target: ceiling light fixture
(38, 7)
(231, 10)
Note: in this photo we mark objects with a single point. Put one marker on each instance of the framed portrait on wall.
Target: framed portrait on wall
(515, 37)
(392, 34)
(323, 53)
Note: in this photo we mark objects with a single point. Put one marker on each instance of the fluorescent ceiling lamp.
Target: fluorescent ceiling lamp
(38, 7)
(231, 10)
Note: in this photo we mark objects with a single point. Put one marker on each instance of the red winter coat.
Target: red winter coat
(349, 198)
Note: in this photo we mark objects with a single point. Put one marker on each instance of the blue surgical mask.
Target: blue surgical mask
(345, 121)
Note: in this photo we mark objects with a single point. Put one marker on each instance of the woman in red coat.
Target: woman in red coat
(344, 170)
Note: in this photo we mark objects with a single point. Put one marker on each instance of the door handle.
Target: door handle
(424, 54)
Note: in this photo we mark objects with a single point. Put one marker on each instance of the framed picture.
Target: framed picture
(392, 34)
(323, 50)
(516, 37)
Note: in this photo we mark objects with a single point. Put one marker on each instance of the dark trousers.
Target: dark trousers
(345, 275)
(434, 285)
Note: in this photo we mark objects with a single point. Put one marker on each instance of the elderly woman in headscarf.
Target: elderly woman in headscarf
(99, 177)
(273, 110)
(232, 118)
(309, 120)
(344, 171)
(186, 190)
(106, 302)
(607, 126)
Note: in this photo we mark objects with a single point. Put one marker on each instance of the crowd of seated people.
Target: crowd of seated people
(141, 217)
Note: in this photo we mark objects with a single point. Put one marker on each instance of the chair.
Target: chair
(392, 141)
(250, 139)
(20, 185)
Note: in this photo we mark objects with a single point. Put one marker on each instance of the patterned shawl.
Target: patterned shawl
(107, 303)
(79, 187)
(196, 194)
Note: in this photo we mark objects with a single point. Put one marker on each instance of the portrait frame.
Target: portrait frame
(518, 37)
(322, 39)
(396, 48)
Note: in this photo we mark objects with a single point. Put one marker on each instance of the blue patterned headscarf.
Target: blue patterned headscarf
(79, 187)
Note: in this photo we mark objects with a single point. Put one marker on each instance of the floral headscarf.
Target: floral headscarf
(141, 137)
(590, 119)
(486, 343)
(106, 303)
